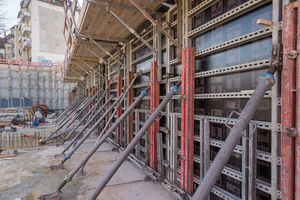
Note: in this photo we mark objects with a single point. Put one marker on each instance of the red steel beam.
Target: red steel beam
(187, 119)
(119, 112)
(291, 14)
(154, 102)
(297, 119)
(129, 102)
(107, 97)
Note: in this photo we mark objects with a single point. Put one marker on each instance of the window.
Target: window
(8, 48)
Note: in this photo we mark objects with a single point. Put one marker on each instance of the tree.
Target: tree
(4, 19)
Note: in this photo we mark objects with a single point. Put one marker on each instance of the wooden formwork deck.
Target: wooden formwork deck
(94, 22)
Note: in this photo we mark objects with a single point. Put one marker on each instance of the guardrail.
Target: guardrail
(29, 64)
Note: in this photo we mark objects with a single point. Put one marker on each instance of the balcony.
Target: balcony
(24, 3)
(26, 15)
(20, 38)
(26, 44)
(26, 29)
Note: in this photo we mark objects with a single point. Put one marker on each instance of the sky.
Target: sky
(13, 7)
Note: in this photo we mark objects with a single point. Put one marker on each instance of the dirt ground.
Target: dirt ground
(28, 176)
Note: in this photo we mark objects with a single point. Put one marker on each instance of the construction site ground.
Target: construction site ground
(28, 176)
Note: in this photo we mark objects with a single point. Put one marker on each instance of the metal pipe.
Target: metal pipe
(214, 171)
(68, 156)
(109, 54)
(73, 119)
(95, 147)
(132, 30)
(157, 25)
(132, 144)
(74, 108)
(67, 120)
(66, 111)
(87, 124)
(62, 132)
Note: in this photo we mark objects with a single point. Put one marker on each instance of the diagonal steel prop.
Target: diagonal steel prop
(68, 110)
(266, 81)
(82, 120)
(112, 116)
(68, 156)
(73, 115)
(73, 118)
(132, 144)
(69, 177)
(116, 103)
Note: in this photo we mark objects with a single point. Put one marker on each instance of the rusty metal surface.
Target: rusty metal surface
(289, 101)
(119, 112)
(154, 102)
(187, 119)
(129, 102)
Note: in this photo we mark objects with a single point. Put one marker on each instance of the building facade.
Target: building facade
(40, 27)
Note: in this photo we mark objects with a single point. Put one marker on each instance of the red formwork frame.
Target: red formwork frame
(187, 119)
(119, 111)
(290, 182)
(154, 102)
(129, 102)
(107, 97)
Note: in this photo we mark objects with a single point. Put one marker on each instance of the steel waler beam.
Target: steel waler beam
(81, 121)
(265, 82)
(131, 29)
(69, 176)
(146, 14)
(132, 144)
(68, 156)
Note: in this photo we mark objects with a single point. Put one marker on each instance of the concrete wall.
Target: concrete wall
(40, 85)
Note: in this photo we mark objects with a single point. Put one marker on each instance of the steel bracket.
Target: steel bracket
(254, 124)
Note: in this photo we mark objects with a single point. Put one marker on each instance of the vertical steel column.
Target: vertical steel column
(119, 112)
(154, 102)
(187, 119)
(288, 101)
(129, 102)
(297, 117)
(107, 96)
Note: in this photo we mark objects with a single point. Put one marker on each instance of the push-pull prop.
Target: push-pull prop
(72, 118)
(131, 145)
(69, 177)
(265, 82)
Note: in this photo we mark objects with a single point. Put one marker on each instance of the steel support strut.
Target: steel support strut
(82, 120)
(73, 119)
(156, 25)
(69, 176)
(133, 143)
(265, 82)
(67, 109)
(130, 29)
(60, 166)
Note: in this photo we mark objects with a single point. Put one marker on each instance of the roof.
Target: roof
(2, 43)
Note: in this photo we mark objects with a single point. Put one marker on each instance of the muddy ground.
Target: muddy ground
(28, 176)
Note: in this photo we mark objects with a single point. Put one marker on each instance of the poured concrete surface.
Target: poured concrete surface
(27, 177)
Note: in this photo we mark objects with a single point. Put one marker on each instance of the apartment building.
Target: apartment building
(40, 31)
